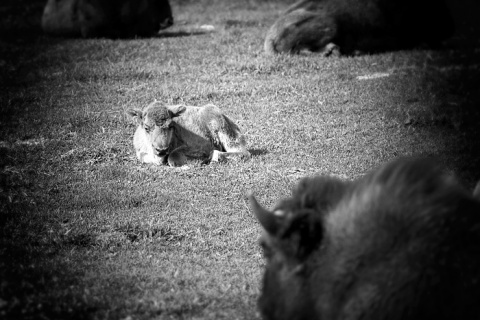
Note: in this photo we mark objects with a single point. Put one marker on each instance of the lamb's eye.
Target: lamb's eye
(166, 126)
(147, 128)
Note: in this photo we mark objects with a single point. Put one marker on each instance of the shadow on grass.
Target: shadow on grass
(32, 286)
(459, 111)
(257, 152)
(454, 77)
(180, 33)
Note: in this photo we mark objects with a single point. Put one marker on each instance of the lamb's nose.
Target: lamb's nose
(161, 152)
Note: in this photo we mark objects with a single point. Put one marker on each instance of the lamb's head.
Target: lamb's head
(156, 120)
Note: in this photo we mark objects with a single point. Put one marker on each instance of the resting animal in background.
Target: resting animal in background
(106, 18)
(354, 26)
(401, 243)
(171, 134)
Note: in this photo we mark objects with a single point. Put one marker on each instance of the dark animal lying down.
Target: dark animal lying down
(106, 18)
(401, 243)
(354, 26)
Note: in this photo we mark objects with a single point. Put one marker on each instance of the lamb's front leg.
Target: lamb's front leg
(177, 157)
(146, 157)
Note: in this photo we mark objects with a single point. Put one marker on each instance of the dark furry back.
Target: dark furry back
(403, 242)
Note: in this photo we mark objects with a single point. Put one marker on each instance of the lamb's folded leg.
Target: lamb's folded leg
(177, 157)
(145, 157)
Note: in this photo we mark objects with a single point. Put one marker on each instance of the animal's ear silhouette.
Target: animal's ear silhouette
(135, 114)
(176, 110)
(303, 231)
(267, 219)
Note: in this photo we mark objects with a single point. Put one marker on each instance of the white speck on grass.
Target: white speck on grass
(374, 76)
(31, 142)
(207, 27)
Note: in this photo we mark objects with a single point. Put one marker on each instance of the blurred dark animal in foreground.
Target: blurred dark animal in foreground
(106, 18)
(171, 134)
(401, 243)
(355, 26)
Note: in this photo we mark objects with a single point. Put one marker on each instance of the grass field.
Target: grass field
(89, 233)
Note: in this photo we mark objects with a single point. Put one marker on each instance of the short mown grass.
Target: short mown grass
(87, 232)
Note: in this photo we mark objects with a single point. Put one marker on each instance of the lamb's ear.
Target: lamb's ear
(135, 114)
(176, 110)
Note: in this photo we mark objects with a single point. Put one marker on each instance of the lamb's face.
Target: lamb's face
(156, 129)
(158, 125)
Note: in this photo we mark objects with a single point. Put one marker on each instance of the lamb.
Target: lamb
(172, 134)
